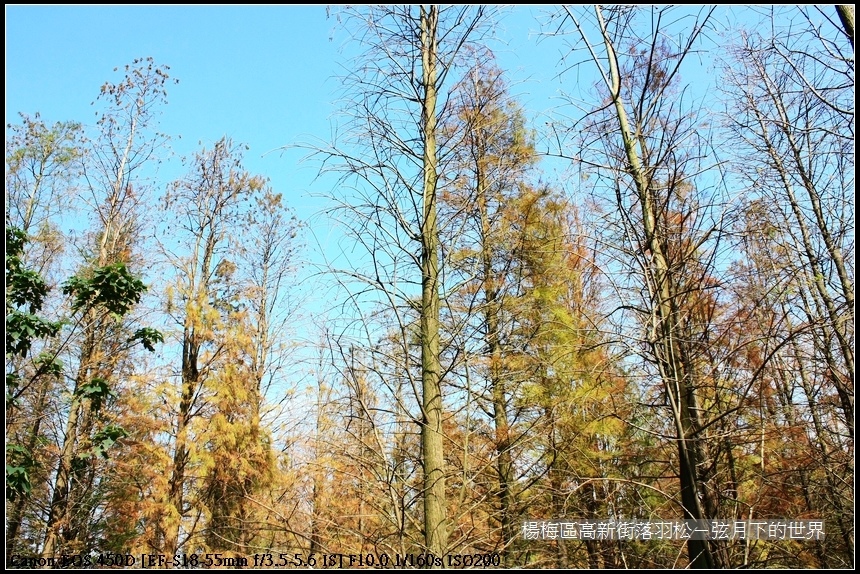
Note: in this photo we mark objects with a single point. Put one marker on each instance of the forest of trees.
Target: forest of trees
(663, 332)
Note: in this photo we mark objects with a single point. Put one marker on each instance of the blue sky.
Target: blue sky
(257, 74)
(264, 75)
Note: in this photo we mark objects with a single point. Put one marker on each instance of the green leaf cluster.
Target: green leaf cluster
(19, 461)
(24, 288)
(112, 286)
(148, 337)
(105, 438)
(96, 391)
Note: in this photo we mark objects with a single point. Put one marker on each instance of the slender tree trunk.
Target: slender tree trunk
(176, 484)
(558, 497)
(399, 487)
(592, 547)
(114, 245)
(504, 465)
(677, 382)
(315, 530)
(59, 517)
(435, 527)
(62, 502)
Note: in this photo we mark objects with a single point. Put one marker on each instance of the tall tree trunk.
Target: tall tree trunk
(435, 527)
(114, 245)
(176, 484)
(63, 500)
(504, 465)
(58, 516)
(677, 382)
